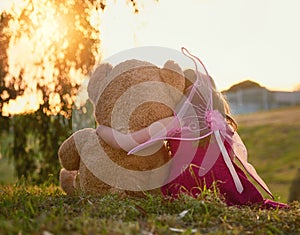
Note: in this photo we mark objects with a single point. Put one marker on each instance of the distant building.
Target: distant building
(248, 97)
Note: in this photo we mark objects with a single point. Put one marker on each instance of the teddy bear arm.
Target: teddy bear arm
(68, 154)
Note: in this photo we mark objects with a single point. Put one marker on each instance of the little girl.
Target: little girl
(203, 142)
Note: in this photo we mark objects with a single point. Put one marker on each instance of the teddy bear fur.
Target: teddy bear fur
(107, 84)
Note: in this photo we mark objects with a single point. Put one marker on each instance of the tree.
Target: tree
(62, 44)
(244, 85)
(12, 88)
(69, 43)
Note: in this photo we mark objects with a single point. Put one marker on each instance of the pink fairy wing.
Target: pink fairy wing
(210, 158)
(240, 151)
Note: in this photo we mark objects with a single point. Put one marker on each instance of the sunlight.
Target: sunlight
(118, 25)
(33, 55)
(120, 28)
(11, 4)
(27, 103)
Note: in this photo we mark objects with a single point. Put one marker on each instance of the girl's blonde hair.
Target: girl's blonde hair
(219, 101)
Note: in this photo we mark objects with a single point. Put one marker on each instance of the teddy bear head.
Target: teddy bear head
(134, 93)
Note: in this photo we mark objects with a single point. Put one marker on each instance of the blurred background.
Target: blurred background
(48, 48)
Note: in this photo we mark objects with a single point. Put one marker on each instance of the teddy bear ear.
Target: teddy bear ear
(172, 74)
(96, 81)
(170, 64)
(190, 77)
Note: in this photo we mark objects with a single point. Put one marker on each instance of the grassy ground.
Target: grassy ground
(46, 210)
(272, 139)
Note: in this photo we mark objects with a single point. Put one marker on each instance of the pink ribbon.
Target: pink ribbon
(216, 122)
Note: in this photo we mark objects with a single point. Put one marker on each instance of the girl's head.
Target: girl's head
(218, 99)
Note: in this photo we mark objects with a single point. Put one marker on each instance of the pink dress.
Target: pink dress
(189, 181)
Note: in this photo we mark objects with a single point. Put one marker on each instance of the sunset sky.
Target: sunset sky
(236, 39)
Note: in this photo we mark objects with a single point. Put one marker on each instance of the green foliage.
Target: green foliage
(30, 209)
(6, 171)
(35, 145)
(31, 144)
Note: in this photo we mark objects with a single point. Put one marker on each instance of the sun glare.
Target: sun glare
(34, 54)
(26, 103)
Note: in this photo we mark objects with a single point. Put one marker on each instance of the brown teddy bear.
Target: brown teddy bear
(128, 97)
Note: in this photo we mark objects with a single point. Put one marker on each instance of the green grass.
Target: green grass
(272, 140)
(277, 157)
(27, 209)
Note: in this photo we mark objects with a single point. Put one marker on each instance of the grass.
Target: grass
(272, 141)
(27, 209)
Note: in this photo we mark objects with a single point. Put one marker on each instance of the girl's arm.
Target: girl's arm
(128, 141)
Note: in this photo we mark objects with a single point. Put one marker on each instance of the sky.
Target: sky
(236, 39)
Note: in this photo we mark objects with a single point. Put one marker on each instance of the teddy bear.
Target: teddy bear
(128, 97)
